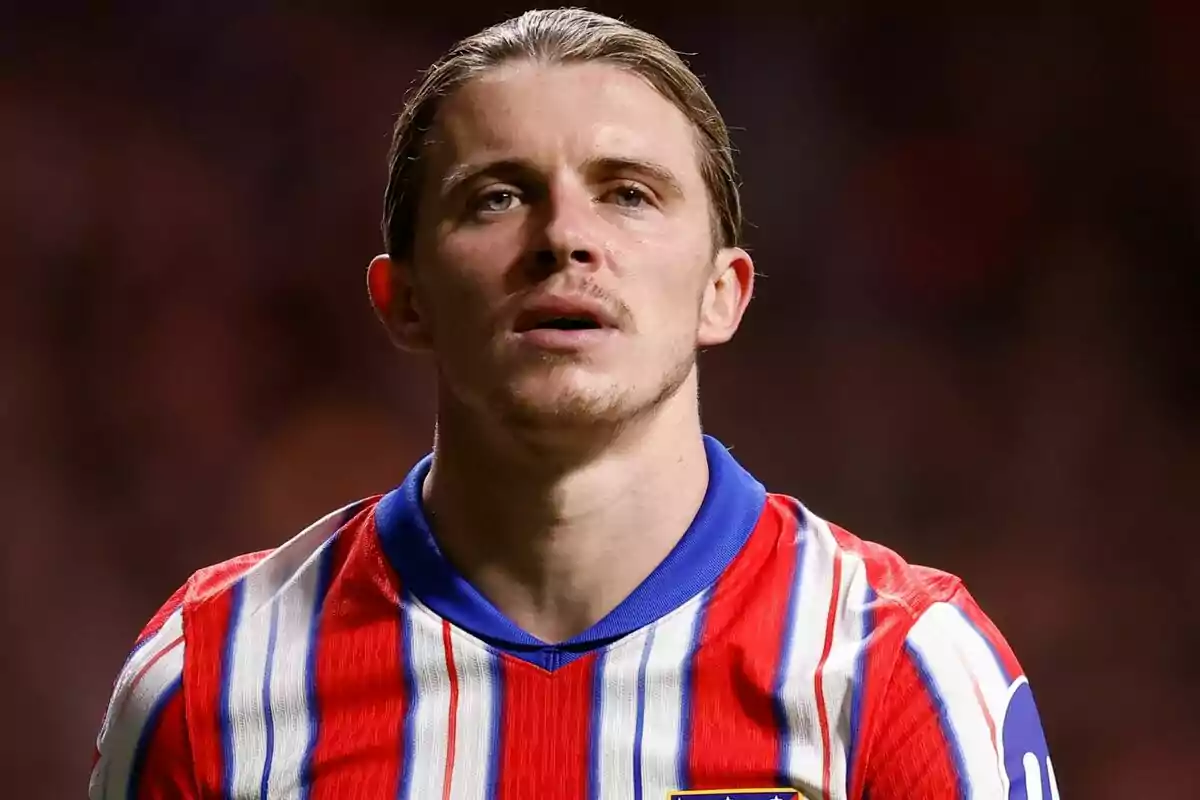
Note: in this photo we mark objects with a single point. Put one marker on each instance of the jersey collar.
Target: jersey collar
(732, 505)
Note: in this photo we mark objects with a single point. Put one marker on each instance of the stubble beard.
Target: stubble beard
(589, 412)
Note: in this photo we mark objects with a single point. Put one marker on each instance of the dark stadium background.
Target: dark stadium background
(977, 338)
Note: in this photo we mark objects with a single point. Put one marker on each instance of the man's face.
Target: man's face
(564, 269)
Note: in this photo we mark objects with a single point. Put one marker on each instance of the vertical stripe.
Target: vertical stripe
(495, 739)
(228, 659)
(269, 684)
(247, 739)
(732, 730)
(979, 652)
(476, 712)
(291, 717)
(596, 716)
(1005, 659)
(857, 685)
(937, 647)
(148, 731)
(876, 581)
(842, 667)
(546, 744)
(312, 642)
(990, 683)
(683, 774)
(953, 744)
(982, 701)
(153, 656)
(662, 700)
(408, 752)
(641, 716)
(819, 677)
(266, 701)
(162, 759)
(781, 674)
(213, 614)
(825, 659)
(910, 754)
(804, 743)
(984, 670)
(431, 700)
(355, 681)
(451, 711)
(137, 710)
(616, 759)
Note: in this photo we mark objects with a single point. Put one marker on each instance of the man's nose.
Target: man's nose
(568, 234)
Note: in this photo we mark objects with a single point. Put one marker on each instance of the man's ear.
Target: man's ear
(394, 297)
(725, 297)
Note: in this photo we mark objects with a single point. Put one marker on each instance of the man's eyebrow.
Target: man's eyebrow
(656, 172)
(463, 174)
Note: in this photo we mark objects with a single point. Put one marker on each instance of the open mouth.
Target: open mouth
(567, 324)
(557, 322)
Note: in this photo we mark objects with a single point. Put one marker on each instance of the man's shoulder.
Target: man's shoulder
(273, 569)
(894, 586)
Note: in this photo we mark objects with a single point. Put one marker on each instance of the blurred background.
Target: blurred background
(976, 340)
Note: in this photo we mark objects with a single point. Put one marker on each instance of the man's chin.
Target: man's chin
(561, 408)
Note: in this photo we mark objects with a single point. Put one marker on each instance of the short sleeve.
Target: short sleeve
(957, 718)
(143, 751)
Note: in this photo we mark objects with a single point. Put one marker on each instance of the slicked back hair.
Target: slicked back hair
(559, 36)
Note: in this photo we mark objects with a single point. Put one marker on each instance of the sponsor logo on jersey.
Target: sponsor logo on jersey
(1023, 749)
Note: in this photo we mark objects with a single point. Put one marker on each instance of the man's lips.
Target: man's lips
(564, 313)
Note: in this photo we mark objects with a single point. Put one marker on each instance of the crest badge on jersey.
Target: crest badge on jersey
(740, 794)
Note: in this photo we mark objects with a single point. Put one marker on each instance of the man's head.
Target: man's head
(561, 169)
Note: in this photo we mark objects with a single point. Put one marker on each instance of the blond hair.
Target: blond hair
(559, 36)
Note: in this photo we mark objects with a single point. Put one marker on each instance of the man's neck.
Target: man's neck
(556, 550)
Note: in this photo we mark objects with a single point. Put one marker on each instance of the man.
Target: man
(578, 595)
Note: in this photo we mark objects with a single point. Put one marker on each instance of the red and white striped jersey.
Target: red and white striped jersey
(771, 650)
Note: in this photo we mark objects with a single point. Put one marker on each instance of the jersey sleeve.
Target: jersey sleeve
(143, 751)
(957, 719)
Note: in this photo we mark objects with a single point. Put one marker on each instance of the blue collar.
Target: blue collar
(731, 508)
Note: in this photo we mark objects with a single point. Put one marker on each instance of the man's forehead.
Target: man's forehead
(568, 112)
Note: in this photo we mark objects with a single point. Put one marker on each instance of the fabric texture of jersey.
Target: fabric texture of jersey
(770, 650)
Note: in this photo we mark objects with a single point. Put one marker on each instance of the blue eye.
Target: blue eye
(629, 196)
(497, 202)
